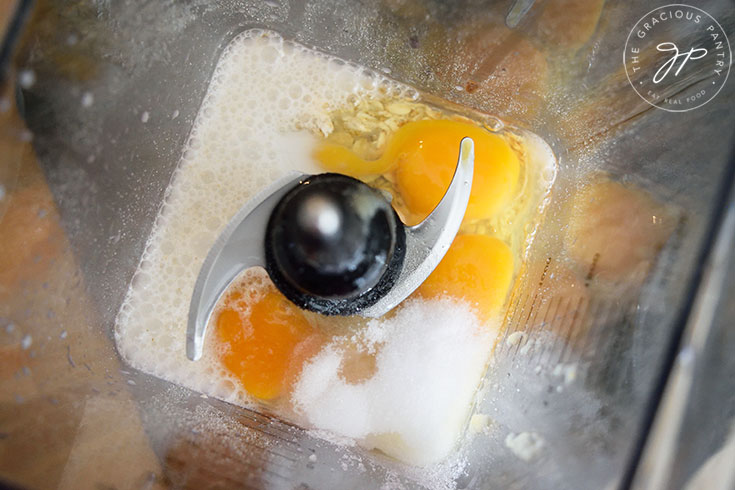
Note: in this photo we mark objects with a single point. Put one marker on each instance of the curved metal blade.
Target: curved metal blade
(427, 242)
(240, 246)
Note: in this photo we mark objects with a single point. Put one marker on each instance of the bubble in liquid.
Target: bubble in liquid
(493, 124)
(295, 91)
(141, 280)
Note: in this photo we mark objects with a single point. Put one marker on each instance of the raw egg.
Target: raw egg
(477, 269)
(424, 155)
(265, 345)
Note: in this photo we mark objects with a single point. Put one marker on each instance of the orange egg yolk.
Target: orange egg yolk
(424, 155)
(265, 347)
(477, 269)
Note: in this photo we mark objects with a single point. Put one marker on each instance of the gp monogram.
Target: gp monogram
(677, 57)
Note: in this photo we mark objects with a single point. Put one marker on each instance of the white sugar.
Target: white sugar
(526, 445)
(428, 366)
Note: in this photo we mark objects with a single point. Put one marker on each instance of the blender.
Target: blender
(97, 102)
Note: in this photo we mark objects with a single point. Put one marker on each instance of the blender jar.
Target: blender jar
(98, 102)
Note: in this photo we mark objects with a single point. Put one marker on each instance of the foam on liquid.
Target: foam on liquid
(253, 128)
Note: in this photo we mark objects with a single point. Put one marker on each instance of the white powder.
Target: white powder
(566, 371)
(87, 99)
(526, 445)
(479, 423)
(515, 338)
(26, 79)
(414, 407)
(26, 342)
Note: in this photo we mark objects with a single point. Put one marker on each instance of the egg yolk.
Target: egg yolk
(265, 347)
(477, 269)
(424, 155)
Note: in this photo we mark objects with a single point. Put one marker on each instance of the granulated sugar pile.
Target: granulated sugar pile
(429, 359)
